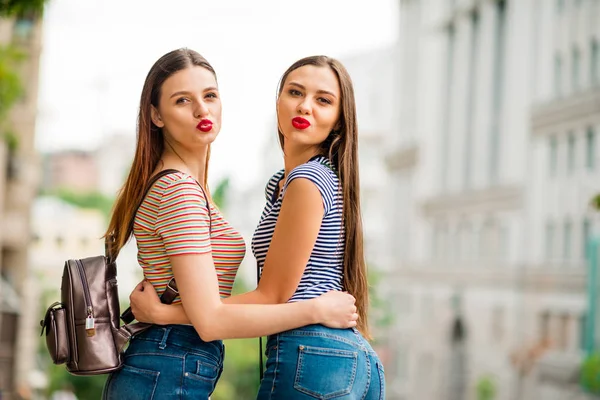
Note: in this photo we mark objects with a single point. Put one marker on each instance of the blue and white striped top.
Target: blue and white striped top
(324, 269)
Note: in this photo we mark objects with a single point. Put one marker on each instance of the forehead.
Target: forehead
(315, 78)
(190, 79)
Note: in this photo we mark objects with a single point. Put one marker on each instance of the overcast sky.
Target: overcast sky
(96, 54)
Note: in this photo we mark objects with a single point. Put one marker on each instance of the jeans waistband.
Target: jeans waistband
(180, 335)
(350, 336)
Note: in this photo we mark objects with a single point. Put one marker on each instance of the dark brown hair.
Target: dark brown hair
(149, 147)
(341, 146)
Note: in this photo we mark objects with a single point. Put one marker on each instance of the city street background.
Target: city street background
(479, 157)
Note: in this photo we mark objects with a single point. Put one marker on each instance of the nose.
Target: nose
(201, 110)
(304, 107)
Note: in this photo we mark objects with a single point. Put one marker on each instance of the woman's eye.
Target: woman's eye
(182, 100)
(294, 92)
(324, 100)
(211, 95)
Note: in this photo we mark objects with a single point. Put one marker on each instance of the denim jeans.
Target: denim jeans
(316, 362)
(167, 362)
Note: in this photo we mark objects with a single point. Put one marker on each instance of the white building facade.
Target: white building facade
(491, 170)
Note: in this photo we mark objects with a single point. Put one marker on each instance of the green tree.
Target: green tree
(21, 7)
(590, 373)
(10, 83)
(380, 310)
(92, 200)
(219, 196)
(486, 388)
(240, 378)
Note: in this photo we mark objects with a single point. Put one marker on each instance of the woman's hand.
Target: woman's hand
(336, 309)
(144, 302)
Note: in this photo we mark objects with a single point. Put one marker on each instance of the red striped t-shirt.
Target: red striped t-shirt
(173, 220)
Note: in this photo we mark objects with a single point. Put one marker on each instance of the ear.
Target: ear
(338, 126)
(156, 117)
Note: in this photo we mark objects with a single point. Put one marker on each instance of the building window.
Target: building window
(571, 152)
(553, 155)
(451, 43)
(545, 326)
(576, 66)
(402, 362)
(582, 332)
(558, 67)
(567, 237)
(549, 240)
(590, 149)
(472, 84)
(23, 28)
(497, 325)
(595, 63)
(563, 332)
(586, 232)
(498, 90)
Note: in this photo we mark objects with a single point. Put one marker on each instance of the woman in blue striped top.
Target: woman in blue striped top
(309, 239)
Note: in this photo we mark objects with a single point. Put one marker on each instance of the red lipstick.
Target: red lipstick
(300, 123)
(205, 125)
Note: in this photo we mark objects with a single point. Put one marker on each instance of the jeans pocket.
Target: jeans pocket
(200, 376)
(131, 383)
(325, 373)
(204, 372)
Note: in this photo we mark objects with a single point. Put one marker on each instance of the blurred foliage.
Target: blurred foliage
(590, 374)
(90, 200)
(240, 378)
(380, 309)
(485, 388)
(84, 387)
(219, 196)
(595, 203)
(11, 88)
(11, 139)
(21, 7)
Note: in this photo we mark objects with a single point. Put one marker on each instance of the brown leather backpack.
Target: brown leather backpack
(83, 329)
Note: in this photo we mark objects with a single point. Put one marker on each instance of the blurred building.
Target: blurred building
(374, 76)
(102, 170)
(19, 178)
(76, 170)
(492, 166)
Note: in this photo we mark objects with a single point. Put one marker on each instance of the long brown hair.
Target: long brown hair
(341, 146)
(149, 147)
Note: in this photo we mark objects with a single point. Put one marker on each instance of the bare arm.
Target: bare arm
(295, 234)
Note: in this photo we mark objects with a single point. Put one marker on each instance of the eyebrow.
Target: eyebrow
(208, 89)
(318, 91)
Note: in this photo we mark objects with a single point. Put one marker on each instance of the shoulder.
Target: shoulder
(320, 172)
(178, 187)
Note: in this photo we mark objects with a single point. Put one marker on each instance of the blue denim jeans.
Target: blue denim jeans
(316, 362)
(167, 362)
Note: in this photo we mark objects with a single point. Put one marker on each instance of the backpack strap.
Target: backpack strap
(171, 291)
(110, 237)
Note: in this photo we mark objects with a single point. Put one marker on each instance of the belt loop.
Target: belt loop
(163, 342)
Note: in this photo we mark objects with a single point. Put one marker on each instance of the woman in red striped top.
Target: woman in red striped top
(179, 233)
